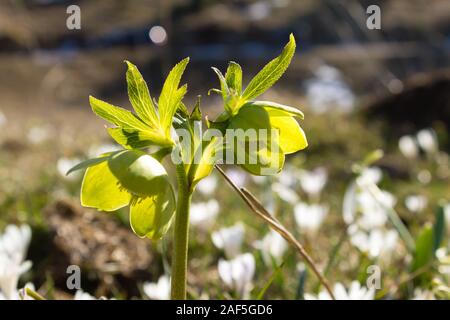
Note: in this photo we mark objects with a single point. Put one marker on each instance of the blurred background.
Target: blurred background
(360, 90)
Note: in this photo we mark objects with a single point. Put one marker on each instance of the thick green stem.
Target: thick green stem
(181, 236)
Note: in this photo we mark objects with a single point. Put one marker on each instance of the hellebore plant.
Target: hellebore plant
(135, 177)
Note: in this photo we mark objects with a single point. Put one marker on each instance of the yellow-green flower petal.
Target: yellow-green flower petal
(292, 137)
(151, 216)
(138, 172)
(100, 189)
(265, 158)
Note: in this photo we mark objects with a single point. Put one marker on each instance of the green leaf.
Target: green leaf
(300, 292)
(116, 115)
(233, 77)
(140, 96)
(151, 216)
(196, 114)
(271, 72)
(223, 84)
(135, 139)
(273, 107)
(439, 227)
(207, 153)
(182, 110)
(90, 162)
(171, 95)
(269, 282)
(424, 252)
(100, 189)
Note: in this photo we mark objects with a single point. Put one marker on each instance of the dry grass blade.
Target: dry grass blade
(259, 209)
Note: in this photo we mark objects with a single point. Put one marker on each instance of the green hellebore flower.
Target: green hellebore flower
(132, 177)
(268, 158)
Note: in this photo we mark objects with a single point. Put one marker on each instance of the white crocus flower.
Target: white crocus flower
(208, 185)
(10, 273)
(372, 211)
(372, 175)
(14, 244)
(272, 246)
(229, 239)
(361, 207)
(355, 292)
(285, 193)
(159, 290)
(81, 295)
(428, 141)
(313, 182)
(260, 180)
(203, 214)
(416, 203)
(376, 243)
(420, 294)
(408, 147)
(238, 273)
(310, 217)
(287, 177)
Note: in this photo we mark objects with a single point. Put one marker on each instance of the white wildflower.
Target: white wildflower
(285, 193)
(229, 239)
(361, 207)
(310, 217)
(355, 292)
(416, 203)
(159, 290)
(208, 185)
(14, 244)
(81, 295)
(238, 273)
(408, 147)
(203, 214)
(376, 243)
(272, 246)
(368, 176)
(313, 182)
(420, 294)
(427, 140)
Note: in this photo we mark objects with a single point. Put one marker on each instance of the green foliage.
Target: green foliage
(242, 114)
(439, 227)
(135, 178)
(171, 95)
(144, 128)
(233, 78)
(231, 83)
(424, 252)
(140, 96)
(271, 72)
